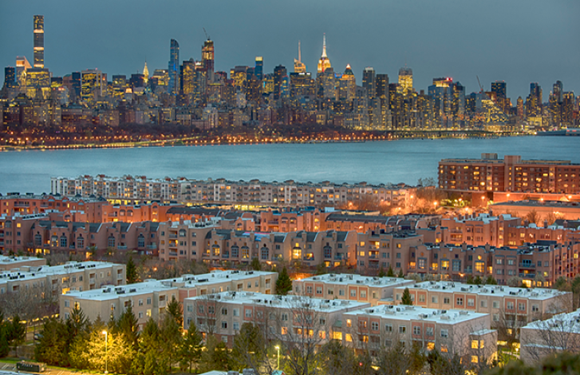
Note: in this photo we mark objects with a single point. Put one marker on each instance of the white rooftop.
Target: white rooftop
(348, 279)
(289, 302)
(409, 313)
(36, 272)
(111, 292)
(488, 290)
(566, 322)
(15, 260)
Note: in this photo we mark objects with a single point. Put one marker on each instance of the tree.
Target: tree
(132, 276)
(4, 346)
(215, 357)
(533, 217)
(477, 280)
(339, 360)
(170, 332)
(390, 272)
(175, 310)
(53, 346)
(382, 272)
(490, 280)
(320, 269)
(283, 283)
(146, 360)
(401, 275)
(16, 333)
(406, 298)
(190, 349)
(248, 350)
(394, 361)
(128, 327)
(256, 265)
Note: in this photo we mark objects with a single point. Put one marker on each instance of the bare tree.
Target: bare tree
(542, 338)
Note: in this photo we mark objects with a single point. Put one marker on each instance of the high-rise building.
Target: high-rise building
(145, 73)
(499, 88)
(22, 65)
(279, 73)
(39, 42)
(119, 86)
(207, 58)
(405, 81)
(9, 77)
(173, 68)
(259, 70)
(299, 66)
(91, 84)
(369, 82)
(324, 62)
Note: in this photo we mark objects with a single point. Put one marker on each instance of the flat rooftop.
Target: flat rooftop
(349, 279)
(289, 302)
(16, 260)
(111, 292)
(487, 290)
(561, 323)
(25, 273)
(410, 313)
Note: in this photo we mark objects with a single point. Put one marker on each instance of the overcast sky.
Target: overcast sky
(519, 41)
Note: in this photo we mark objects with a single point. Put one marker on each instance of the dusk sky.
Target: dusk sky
(519, 41)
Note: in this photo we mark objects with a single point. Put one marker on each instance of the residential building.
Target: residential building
(12, 262)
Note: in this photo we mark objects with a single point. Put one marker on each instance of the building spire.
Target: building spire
(299, 53)
(324, 46)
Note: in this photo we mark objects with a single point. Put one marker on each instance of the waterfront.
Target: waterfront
(374, 162)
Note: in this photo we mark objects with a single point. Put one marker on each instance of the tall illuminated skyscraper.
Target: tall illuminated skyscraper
(92, 84)
(259, 69)
(145, 73)
(207, 57)
(299, 66)
(173, 68)
(405, 81)
(39, 41)
(324, 62)
(369, 82)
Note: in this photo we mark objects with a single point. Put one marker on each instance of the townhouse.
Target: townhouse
(349, 287)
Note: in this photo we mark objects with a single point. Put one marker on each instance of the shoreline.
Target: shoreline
(196, 141)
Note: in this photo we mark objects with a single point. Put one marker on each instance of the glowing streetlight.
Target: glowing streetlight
(277, 347)
(106, 356)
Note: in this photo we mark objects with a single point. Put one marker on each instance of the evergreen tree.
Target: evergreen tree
(249, 347)
(382, 272)
(146, 360)
(53, 346)
(4, 346)
(390, 272)
(490, 280)
(406, 298)
(401, 275)
(320, 269)
(190, 350)
(128, 327)
(469, 279)
(215, 357)
(477, 280)
(16, 333)
(132, 276)
(283, 284)
(170, 332)
(256, 265)
(175, 309)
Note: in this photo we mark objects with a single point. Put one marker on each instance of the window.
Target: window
(474, 344)
(444, 333)
(429, 331)
(495, 304)
(319, 290)
(456, 265)
(388, 327)
(111, 241)
(484, 303)
(140, 302)
(521, 306)
(444, 348)
(236, 326)
(459, 301)
(474, 359)
(470, 302)
(416, 330)
(374, 326)
(402, 329)
(224, 324)
(434, 299)
(224, 311)
(421, 298)
(353, 292)
(510, 306)
(66, 303)
(265, 253)
(248, 313)
(63, 241)
(341, 292)
(80, 242)
(141, 241)
(236, 312)
(363, 294)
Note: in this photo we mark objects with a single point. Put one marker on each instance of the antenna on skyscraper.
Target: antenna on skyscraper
(205, 32)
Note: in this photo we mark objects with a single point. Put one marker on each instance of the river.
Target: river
(374, 162)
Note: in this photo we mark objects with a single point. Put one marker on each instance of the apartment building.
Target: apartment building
(478, 230)
(13, 262)
(149, 298)
(350, 287)
(72, 276)
(465, 333)
(285, 318)
(501, 302)
(400, 251)
(205, 241)
(543, 338)
(541, 208)
(510, 174)
(253, 192)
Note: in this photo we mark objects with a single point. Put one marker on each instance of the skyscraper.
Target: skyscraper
(39, 41)
(324, 62)
(9, 77)
(207, 57)
(259, 70)
(405, 80)
(279, 74)
(173, 68)
(299, 66)
(145, 73)
(369, 82)
(500, 91)
(91, 84)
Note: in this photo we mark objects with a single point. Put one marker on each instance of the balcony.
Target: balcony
(527, 275)
(527, 265)
(152, 246)
(173, 253)
(122, 247)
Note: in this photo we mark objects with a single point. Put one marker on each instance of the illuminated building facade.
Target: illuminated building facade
(259, 68)
(324, 62)
(145, 73)
(92, 84)
(369, 82)
(37, 79)
(22, 65)
(39, 42)
(299, 66)
(9, 77)
(405, 81)
(207, 57)
(173, 67)
(279, 74)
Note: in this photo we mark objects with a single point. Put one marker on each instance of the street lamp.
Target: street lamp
(106, 356)
(277, 347)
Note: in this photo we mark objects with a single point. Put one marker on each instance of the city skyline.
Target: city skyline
(146, 35)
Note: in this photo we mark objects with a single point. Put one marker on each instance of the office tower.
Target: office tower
(37, 79)
(259, 69)
(137, 80)
(39, 42)
(568, 99)
(279, 74)
(173, 68)
(382, 92)
(324, 62)
(22, 65)
(91, 84)
(119, 86)
(369, 82)
(534, 101)
(207, 57)
(347, 85)
(145, 73)
(405, 81)
(161, 76)
(299, 66)
(239, 75)
(520, 107)
(499, 88)
(9, 77)
(187, 77)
